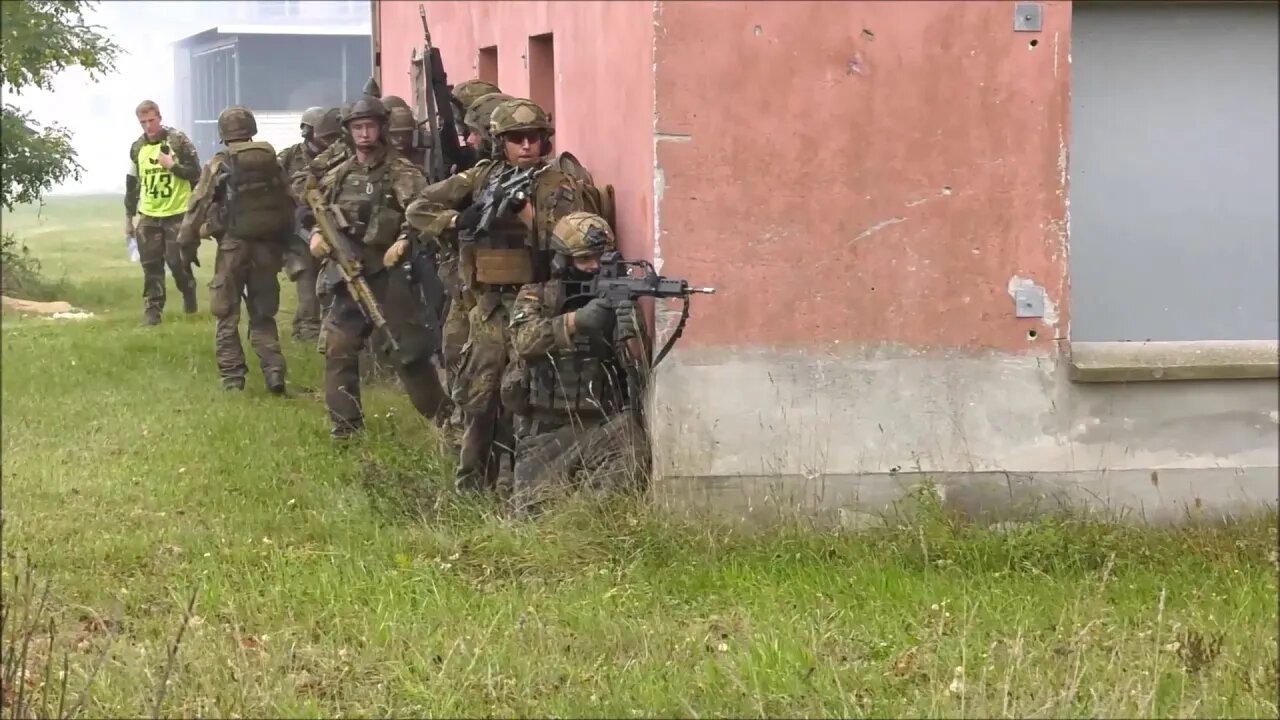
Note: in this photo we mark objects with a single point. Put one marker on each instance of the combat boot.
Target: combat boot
(150, 316)
(232, 384)
(275, 382)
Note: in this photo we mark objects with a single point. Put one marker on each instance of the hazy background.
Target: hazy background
(100, 114)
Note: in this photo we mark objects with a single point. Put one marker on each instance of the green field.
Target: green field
(351, 582)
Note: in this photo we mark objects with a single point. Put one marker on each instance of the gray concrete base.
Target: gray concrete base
(1153, 497)
(762, 433)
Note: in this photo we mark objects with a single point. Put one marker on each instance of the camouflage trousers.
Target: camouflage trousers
(487, 431)
(246, 270)
(603, 456)
(157, 247)
(345, 333)
(304, 271)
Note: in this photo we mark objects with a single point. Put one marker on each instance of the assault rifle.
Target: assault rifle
(330, 223)
(434, 105)
(505, 192)
(615, 283)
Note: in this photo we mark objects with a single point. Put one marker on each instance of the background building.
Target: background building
(278, 58)
(1027, 249)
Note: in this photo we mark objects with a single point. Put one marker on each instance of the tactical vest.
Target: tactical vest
(258, 203)
(586, 381)
(361, 194)
(512, 254)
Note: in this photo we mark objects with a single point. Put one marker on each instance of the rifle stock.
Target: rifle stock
(437, 107)
(349, 266)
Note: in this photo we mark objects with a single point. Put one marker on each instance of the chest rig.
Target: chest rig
(585, 381)
(362, 194)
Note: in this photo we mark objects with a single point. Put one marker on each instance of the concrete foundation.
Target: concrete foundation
(758, 434)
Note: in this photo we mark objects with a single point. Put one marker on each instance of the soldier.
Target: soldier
(308, 177)
(578, 377)
(456, 325)
(402, 129)
(242, 200)
(465, 94)
(371, 188)
(513, 251)
(163, 164)
(320, 128)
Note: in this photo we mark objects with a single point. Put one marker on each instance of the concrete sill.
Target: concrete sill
(1098, 362)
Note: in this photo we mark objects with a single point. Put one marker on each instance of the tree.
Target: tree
(38, 40)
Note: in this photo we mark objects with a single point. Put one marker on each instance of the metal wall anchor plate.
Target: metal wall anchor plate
(1028, 302)
(1026, 17)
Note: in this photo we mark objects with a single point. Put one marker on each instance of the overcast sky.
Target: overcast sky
(100, 114)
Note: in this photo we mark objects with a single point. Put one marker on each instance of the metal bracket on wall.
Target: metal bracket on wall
(1026, 17)
(1028, 302)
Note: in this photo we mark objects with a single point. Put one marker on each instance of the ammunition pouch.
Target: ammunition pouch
(382, 230)
(503, 267)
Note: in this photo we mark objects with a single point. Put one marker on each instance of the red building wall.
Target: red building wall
(869, 172)
(603, 83)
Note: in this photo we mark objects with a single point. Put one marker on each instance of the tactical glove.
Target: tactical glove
(626, 321)
(189, 252)
(470, 218)
(395, 252)
(593, 319)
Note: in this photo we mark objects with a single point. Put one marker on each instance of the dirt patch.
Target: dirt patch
(58, 309)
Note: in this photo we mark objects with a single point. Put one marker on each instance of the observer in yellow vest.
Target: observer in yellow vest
(163, 165)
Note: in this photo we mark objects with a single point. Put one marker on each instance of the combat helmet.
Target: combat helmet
(400, 119)
(391, 102)
(582, 234)
(329, 125)
(468, 92)
(518, 115)
(366, 107)
(311, 117)
(236, 123)
(479, 112)
(477, 118)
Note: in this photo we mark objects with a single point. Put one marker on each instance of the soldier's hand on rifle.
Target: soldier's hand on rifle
(317, 245)
(468, 219)
(626, 327)
(592, 320)
(526, 214)
(395, 252)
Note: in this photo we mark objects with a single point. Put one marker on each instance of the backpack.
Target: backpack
(595, 200)
(259, 206)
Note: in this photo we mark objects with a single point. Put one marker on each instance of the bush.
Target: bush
(20, 272)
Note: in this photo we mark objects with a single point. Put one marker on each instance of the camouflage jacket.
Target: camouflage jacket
(187, 165)
(310, 174)
(295, 159)
(402, 182)
(539, 327)
(555, 194)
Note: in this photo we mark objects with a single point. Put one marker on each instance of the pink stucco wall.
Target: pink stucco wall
(604, 83)
(864, 172)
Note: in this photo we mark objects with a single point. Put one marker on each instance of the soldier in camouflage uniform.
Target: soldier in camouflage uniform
(580, 370)
(463, 96)
(320, 128)
(242, 199)
(371, 188)
(308, 177)
(163, 165)
(456, 324)
(514, 251)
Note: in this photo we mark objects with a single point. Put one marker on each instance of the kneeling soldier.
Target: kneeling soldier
(579, 366)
